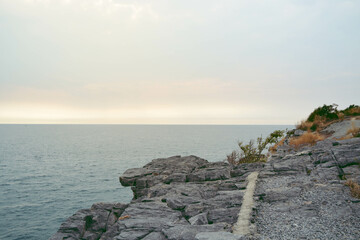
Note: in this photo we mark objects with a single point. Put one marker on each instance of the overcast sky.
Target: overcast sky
(176, 62)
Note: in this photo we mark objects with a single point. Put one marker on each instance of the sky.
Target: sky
(176, 62)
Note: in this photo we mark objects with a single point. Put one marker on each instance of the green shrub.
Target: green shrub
(323, 116)
(313, 127)
(352, 110)
(250, 153)
(329, 112)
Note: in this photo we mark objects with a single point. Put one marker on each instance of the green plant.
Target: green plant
(323, 116)
(314, 127)
(352, 110)
(329, 112)
(250, 153)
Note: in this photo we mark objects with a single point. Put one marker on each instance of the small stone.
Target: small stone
(175, 204)
(200, 219)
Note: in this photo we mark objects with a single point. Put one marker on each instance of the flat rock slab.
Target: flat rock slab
(339, 129)
(305, 197)
(217, 236)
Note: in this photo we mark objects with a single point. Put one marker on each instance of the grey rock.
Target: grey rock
(182, 232)
(90, 223)
(155, 236)
(300, 193)
(281, 194)
(196, 177)
(352, 172)
(298, 132)
(217, 236)
(220, 215)
(153, 216)
(176, 177)
(290, 163)
(193, 209)
(200, 219)
(175, 204)
(305, 194)
(132, 234)
(228, 196)
(129, 176)
(339, 129)
(213, 174)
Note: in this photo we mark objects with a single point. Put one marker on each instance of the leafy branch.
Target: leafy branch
(250, 153)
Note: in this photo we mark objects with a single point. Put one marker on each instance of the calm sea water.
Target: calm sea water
(48, 172)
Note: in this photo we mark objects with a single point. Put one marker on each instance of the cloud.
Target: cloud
(196, 101)
(211, 61)
(132, 9)
(133, 94)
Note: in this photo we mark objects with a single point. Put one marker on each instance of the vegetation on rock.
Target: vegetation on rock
(323, 116)
(353, 130)
(308, 138)
(249, 153)
(354, 188)
(320, 118)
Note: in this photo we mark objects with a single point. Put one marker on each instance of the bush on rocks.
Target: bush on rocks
(323, 116)
(250, 153)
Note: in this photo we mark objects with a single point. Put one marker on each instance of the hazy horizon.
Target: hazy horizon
(159, 62)
(148, 124)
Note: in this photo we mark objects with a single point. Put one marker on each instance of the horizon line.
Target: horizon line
(182, 124)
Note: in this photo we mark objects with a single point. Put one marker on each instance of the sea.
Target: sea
(48, 172)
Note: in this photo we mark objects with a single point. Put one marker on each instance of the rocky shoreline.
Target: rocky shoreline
(299, 194)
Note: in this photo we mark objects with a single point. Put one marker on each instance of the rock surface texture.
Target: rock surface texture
(299, 194)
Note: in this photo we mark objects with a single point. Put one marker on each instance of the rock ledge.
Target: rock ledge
(300, 194)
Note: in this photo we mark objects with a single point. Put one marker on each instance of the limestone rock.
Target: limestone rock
(299, 193)
(217, 236)
(200, 219)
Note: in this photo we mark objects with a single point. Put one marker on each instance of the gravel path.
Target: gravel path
(242, 226)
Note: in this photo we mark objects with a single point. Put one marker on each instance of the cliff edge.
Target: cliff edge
(296, 194)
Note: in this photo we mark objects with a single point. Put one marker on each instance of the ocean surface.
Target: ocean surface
(48, 172)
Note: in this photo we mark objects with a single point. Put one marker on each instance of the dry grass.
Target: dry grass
(124, 217)
(318, 124)
(326, 115)
(344, 137)
(341, 115)
(304, 125)
(232, 158)
(353, 130)
(273, 149)
(354, 111)
(354, 188)
(308, 138)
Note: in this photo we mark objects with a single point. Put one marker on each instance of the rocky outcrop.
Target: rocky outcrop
(300, 194)
(91, 223)
(174, 198)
